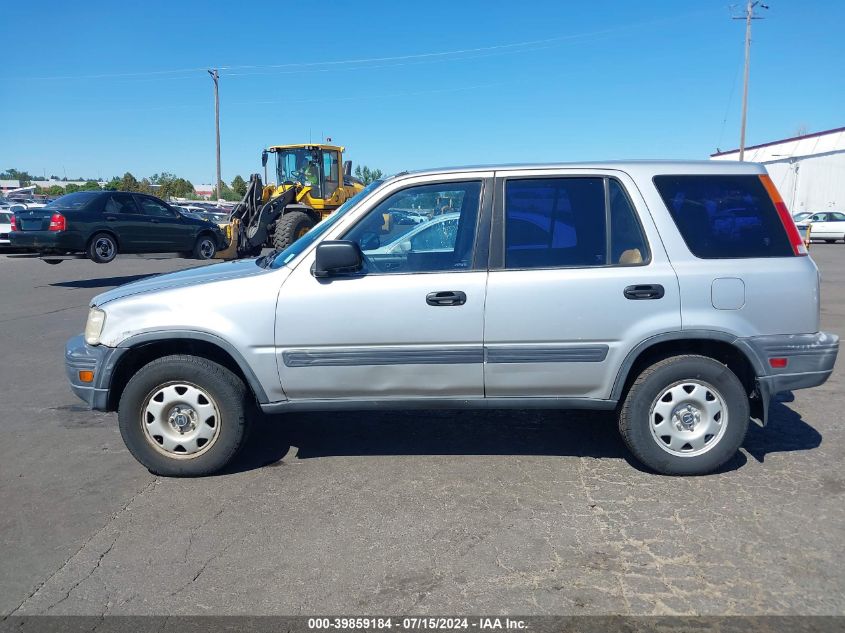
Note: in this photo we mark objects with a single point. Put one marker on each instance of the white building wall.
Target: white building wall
(809, 172)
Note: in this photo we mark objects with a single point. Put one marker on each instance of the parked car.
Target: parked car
(102, 224)
(827, 226)
(646, 304)
(5, 228)
(801, 216)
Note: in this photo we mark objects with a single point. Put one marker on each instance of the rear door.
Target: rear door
(122, 215)
(578, 276)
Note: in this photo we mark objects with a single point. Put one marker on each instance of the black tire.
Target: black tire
(830, 241)
(225, 391)
(52, 262)
(290, 227)
(635, 416)
(205, 247)
(102, 248)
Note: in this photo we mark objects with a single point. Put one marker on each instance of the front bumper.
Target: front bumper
(809, 362)
(79, 356)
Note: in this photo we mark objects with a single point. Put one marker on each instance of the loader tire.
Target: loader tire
(290, 227)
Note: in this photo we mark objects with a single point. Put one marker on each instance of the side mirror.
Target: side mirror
(264, 158)
(337, 257)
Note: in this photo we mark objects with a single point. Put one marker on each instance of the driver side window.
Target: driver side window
(426, 228)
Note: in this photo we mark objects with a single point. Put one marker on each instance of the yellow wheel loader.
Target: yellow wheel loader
(312, 180)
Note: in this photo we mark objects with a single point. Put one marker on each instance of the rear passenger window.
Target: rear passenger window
(723, 217)
(563, 222)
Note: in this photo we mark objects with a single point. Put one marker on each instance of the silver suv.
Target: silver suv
(678, 294)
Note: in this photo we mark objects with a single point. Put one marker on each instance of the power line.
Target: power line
(365, 62)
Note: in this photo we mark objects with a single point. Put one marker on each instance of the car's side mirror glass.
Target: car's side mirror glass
(337, 258)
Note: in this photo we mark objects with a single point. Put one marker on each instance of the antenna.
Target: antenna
(748, 15)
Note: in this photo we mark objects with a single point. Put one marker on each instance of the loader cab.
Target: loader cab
(316, 166)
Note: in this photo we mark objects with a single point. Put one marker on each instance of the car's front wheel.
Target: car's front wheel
(685, 415)
(183, 416)
(102, 248)
(205, 247)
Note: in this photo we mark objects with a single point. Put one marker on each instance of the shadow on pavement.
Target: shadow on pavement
(499, 432)
(100, 282)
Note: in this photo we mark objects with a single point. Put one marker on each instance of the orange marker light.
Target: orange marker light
(86, 375)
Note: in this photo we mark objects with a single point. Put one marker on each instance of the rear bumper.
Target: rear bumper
(80, 356)
(47, 241)
(810, 359)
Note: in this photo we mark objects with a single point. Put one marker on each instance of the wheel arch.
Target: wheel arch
(714, 344)
(108, 231)
(142, 349)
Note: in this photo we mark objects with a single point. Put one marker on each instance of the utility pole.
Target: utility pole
(215, 77)
(749, 15)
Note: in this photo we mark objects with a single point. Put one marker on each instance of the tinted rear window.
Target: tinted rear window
(74, 201)
(723, 217)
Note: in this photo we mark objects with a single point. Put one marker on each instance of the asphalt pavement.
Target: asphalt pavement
(504, 512)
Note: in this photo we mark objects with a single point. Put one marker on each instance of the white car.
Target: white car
(828, 226)
(5, 228)
(433, 235)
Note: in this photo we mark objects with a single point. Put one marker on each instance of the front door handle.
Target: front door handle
(153, 220)
(110, 218)
(644, 291)
(446, 298)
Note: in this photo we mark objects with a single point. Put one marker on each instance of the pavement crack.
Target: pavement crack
(111, 520)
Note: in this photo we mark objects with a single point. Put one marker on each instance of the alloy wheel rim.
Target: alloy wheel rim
(104, 248)
(180, 420)
(688, 418)
(206, 249)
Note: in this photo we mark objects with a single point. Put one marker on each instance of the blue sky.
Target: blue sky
(88, 89)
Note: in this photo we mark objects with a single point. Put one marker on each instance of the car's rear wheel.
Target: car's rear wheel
(183, 416)
(102, 248)
(205, 247)
(685, 415)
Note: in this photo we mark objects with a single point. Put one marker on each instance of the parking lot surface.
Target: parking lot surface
(442, 512)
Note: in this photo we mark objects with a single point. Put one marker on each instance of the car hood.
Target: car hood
(184, 278)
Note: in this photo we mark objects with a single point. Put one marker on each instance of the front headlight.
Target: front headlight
(94, 326)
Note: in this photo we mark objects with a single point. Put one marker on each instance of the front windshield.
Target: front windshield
(311, 236)
(299, 165)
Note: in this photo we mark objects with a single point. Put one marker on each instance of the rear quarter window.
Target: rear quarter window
(723, 217)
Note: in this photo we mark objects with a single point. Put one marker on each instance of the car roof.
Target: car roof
(653, 167)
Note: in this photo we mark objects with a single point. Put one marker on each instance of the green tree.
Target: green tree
(367, 175)
(55, 190)
(113, 184)
(228, 194)
(90, 185)
(239, 186)
(71, 188)
(13, 174)
(129, 183)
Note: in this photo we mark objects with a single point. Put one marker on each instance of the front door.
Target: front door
(165, 229)
(410, 325)
(577, 276)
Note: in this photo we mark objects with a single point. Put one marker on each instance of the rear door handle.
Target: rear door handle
(446, 298)
(110, 218)
(644, 291)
